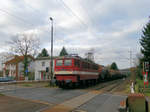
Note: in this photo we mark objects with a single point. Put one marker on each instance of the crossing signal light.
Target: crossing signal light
(47, 69)
(147, 66)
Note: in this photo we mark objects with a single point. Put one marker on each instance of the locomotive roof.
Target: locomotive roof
(60, 57)
(76, 57)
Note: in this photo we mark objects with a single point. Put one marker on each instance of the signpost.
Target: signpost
(26, 71)
(26, 77)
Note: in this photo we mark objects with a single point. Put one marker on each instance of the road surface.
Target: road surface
(60, 100)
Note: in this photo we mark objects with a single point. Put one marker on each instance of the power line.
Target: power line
(73, 13)
(19, 18)
(66, 7)
(16, 17)
(24, 21)
(37, 11)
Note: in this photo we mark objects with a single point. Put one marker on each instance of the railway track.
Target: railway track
(106, 87)
(111, 88)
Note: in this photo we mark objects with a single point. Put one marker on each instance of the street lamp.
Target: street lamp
(51, 19)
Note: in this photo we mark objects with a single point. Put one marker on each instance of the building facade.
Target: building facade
(42, 68)
(15, 67)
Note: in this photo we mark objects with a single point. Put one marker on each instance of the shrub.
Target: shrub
(31, 76)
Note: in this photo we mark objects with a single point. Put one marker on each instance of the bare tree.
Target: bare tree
(24, 44)
(5, 56)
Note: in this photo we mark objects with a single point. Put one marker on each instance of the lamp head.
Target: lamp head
(51, 18)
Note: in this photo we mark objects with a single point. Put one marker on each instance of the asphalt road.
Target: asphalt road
(103, 102)
(13, 104)
(50, 95)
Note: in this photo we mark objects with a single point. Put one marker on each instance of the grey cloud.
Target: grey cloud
(110, 30)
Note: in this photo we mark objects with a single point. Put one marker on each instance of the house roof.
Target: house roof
(17, 59)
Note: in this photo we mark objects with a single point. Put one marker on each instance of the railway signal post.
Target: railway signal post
(145, 73)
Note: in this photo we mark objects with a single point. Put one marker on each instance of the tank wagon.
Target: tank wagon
(71, 71)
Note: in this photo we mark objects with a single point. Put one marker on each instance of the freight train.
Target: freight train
(72, 71)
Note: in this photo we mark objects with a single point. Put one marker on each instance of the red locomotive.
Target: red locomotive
(74, 70)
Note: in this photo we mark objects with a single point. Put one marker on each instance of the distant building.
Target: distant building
(15, 67)
(41, 65)
(125, 71)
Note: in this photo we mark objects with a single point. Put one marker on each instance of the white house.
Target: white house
(41, 64)
(14, 67)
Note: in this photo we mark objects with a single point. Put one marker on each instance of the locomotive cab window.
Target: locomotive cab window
(59, 62)
(67, 62)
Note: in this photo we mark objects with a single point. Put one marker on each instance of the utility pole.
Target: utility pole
(132, 73)
(51, 67)
(90, 55)
(130, 58)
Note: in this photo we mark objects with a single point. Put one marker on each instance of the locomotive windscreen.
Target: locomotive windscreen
(59, 62)
(67, 62)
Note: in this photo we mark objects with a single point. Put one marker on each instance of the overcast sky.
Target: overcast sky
(110, 27)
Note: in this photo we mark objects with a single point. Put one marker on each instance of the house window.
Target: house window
(43, 64)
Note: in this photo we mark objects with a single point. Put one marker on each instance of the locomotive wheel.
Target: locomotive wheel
(61, 85)
(94, 81)
(87, 83)
(74, 85)
(83, 83)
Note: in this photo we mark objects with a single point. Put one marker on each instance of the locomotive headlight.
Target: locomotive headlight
(70, 72)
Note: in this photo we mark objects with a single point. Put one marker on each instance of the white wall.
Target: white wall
(38, 67)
